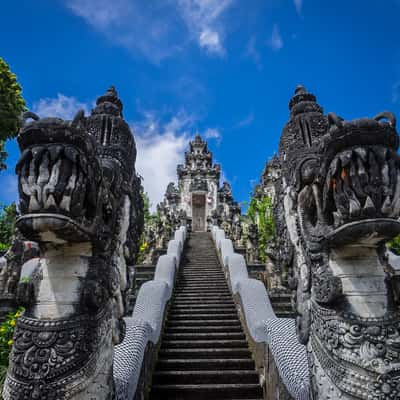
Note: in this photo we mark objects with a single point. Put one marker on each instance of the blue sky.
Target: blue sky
(223, 68)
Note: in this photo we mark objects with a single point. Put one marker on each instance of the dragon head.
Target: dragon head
(345, 174)
(77, 184)
(338, 204)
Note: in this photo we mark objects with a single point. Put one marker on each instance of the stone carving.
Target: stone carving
(11, 265)
(338, 202)
(252, 244)
(80, 200)
(197, 200)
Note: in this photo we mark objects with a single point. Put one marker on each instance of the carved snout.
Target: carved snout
(78, 119)
(335, 120)
(28, 115)
(388, 116)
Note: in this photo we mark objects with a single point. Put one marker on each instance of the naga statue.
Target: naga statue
(338, 203)
(11, 265)
(80, 201)
(252, 243)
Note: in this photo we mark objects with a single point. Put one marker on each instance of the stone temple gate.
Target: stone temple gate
(198, 194)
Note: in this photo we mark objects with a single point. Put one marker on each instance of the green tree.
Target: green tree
(260, 212)
(12, 104)
(149, 220)
(394, 245)
(146, 207)
(8, 215)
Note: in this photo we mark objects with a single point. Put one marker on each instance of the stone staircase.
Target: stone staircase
(282, 304)
(203, 353)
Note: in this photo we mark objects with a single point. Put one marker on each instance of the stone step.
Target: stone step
(205, 364)
(198, 288)
(197, 316)
(201, 298)
(180, 305)
(145, 268)
(211, 283)
(204, 353)
(204, 303)
(202, 329)
(199, 270)
(224, 289)
(226, 352)
(202, 322)
(205, 336)
(199, 278)
(202, 309)
(201, 377)
(211, 391)
(204, 344)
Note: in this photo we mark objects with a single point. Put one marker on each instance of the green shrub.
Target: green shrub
(12, 105)
(8, 215)
(260, 212)
(6, 335)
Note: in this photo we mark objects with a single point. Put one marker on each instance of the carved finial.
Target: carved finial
(299, 100)
(111, 96)
(300, 89)
(112, 91)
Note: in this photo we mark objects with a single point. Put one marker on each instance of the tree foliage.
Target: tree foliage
(8, 215)
(6, 340)
(12, 104)
(394, 245)
(260, 212)
(149, 221)
(146, 207)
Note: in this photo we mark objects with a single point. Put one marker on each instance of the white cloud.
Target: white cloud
(210, 40)
(61, 106)
(100, 13)
(299, 5)
(275, 41)
(203, 19)
(148, 28)
(160, 148)
(253, 53)
(246, 121)
(212, 133)
(156, 29)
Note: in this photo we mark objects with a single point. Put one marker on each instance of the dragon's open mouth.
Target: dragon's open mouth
(362, 183)
(56, 178)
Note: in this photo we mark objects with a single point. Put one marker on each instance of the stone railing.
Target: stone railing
(134, 357)
(280, 359)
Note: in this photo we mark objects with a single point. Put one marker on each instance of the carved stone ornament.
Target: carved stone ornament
(56, 359)
(80, 199)
(337, 203)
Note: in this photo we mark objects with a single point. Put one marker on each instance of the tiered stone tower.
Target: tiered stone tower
(198, 195)
(198, 182)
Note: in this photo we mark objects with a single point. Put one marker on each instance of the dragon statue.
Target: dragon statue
(338, 203)
(80, 200)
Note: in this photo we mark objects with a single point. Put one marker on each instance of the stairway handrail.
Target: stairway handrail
(144, 326)
(262, 324)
